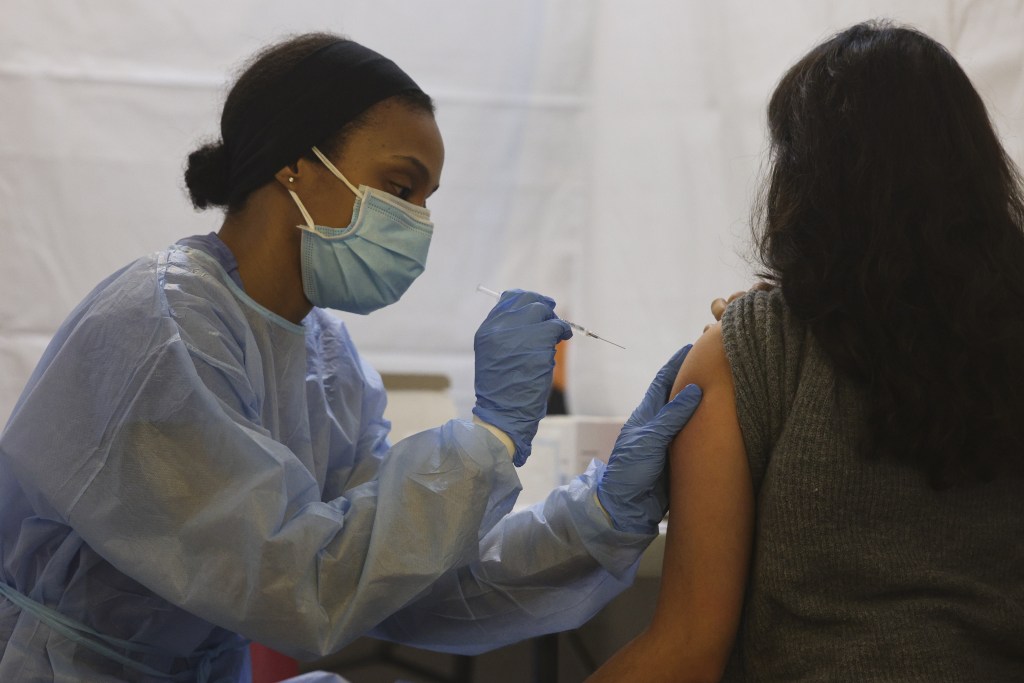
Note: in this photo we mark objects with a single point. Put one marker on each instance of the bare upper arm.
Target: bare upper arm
(710, 526)
(710, 531)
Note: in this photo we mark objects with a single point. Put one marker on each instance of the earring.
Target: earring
(290, 179)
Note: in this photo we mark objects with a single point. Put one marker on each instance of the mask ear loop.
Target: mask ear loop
(330, 167)
(305, 214)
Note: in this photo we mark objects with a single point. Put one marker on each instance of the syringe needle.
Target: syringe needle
(584, 331)
(608, 341)
(578, 328)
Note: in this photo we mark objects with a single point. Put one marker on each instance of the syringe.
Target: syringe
(578, 328)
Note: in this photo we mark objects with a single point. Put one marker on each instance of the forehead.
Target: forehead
(396, 129)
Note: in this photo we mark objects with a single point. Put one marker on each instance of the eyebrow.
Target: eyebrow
(420, 166)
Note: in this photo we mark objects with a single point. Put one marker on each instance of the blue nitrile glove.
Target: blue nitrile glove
(515, 360)
(634, 489)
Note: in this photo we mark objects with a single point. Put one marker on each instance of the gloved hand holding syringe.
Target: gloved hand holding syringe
(574, 326)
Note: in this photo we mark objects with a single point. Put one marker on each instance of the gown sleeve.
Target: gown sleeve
(140, 429)
(539, 570)
(544, 569)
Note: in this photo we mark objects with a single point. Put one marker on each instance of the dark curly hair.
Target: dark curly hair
(893, 221)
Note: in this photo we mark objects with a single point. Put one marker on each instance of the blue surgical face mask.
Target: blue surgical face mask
(371, 263)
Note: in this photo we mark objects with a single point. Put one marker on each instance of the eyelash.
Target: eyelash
(401, 191)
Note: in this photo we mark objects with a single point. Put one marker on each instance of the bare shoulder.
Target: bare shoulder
(706, 365)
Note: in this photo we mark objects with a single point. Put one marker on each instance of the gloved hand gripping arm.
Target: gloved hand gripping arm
(515, 360)
(634, 489)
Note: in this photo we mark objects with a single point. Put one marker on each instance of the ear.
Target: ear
(294, 174)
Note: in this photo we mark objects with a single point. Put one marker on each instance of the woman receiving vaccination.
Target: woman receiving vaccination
(848, 501)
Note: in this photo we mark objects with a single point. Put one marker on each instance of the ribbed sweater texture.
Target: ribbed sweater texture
(860, 571)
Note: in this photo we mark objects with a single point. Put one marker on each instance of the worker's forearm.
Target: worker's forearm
(565, 544)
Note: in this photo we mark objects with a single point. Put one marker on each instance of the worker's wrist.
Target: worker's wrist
(500, 435)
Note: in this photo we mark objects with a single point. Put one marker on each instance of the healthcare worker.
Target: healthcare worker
(201, 457)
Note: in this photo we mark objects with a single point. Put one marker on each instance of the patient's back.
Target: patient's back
(860, 571)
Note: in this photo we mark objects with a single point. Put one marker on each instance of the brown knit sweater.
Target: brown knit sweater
(860, 571)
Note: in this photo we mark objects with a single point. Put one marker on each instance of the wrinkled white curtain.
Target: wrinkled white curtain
(604, 152)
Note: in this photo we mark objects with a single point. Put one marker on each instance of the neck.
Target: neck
(268, 253)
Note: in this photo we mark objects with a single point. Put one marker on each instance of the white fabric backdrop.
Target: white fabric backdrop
(603, 152)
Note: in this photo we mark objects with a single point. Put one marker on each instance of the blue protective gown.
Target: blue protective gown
(186, 470)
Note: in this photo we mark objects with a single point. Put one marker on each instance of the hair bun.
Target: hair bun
(206, 176)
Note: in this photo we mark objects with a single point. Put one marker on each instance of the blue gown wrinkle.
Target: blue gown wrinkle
(183, 463)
